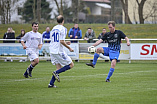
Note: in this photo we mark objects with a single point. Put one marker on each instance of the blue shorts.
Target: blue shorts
(112, 54)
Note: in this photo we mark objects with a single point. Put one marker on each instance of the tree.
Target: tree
(5, 6)
(39, 10)
(60, 8)
(140, 10)
(112, 10)
(125, 9)
(33, 13)
(70, 13)
(5, 10)
(77, 6)
(150, 12)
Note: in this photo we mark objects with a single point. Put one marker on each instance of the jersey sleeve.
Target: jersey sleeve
(122, 35)
(25, 37)
(104, 37)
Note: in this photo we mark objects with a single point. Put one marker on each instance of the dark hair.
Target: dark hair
(21, 32)
(104, 28)
(60, 19)
(89, 28)
(112, 22)
(34, 23)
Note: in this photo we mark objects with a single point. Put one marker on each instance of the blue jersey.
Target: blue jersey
(114, 39)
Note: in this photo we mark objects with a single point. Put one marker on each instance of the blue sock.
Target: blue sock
(63, 69)
(96, 56)
(26, 72)
(110, 73)
(31, 67)
(52, 81)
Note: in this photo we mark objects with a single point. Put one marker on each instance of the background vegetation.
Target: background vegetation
(131, 30)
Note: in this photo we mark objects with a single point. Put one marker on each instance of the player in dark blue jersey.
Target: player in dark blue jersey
(114, 40)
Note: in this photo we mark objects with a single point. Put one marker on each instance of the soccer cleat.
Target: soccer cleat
(26, 76)
(51, 86)
(90, 64)
(108, 80)
(56, 76)
(29, 72)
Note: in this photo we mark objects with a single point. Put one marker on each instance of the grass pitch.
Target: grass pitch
(134, 83)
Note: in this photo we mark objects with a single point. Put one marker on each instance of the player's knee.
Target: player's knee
(113, 64)
(72, 65)
(98, 50)
(36, 61)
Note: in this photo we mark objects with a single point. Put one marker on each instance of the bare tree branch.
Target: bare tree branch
(57, 4)
(140, 10)
(125, 9)
(137, 2)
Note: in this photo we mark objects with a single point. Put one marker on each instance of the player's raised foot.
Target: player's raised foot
(108, 80)
(56, 76)
(29, 72)
(51, 86)
(90, 64)
(26, 76)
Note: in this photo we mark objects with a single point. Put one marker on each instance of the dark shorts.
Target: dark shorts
(112, 54)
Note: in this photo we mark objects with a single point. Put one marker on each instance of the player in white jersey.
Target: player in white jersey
(33, 44)
(58, 56)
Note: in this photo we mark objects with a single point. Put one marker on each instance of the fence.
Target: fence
(136, 51)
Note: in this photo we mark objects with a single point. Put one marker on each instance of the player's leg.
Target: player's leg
(51, 84)
(96, 56)
(66, 62)
(114, 57)
(61, 60)
(65, 68)
(34, 61)
(113, 64)
(58, 66)
(103, 50)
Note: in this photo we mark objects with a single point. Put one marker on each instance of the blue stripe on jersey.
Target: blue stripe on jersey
(114, 47)
(55, 30)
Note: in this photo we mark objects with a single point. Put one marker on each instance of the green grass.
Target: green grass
(134, 83)
(131, 30)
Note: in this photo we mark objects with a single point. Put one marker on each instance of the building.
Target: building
(100, 11)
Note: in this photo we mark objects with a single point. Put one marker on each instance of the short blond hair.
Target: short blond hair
(112, 22)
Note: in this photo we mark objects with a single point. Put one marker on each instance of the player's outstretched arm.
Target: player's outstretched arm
(63, 43)
(23, 44)
(127, 40)
(97, 42)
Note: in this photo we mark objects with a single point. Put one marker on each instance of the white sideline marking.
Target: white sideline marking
(76, 76)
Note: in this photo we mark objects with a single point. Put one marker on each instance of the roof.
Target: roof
(100, 1)
(103, 5)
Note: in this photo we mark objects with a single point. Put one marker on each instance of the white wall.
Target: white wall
(133, 11)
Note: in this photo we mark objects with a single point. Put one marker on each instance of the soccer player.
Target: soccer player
(58, 56)
(114, 40)
(33, 44)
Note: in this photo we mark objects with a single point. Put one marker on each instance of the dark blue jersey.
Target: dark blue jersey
(114, 39)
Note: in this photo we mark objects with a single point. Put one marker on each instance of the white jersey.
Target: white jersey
(57, 33)
(32, 39)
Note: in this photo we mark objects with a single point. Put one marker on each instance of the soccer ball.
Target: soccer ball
(91, 49)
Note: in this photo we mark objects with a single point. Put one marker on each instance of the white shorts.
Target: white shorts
(63, 59)
(32, 54)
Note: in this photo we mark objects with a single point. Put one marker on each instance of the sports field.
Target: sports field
(134, 83)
